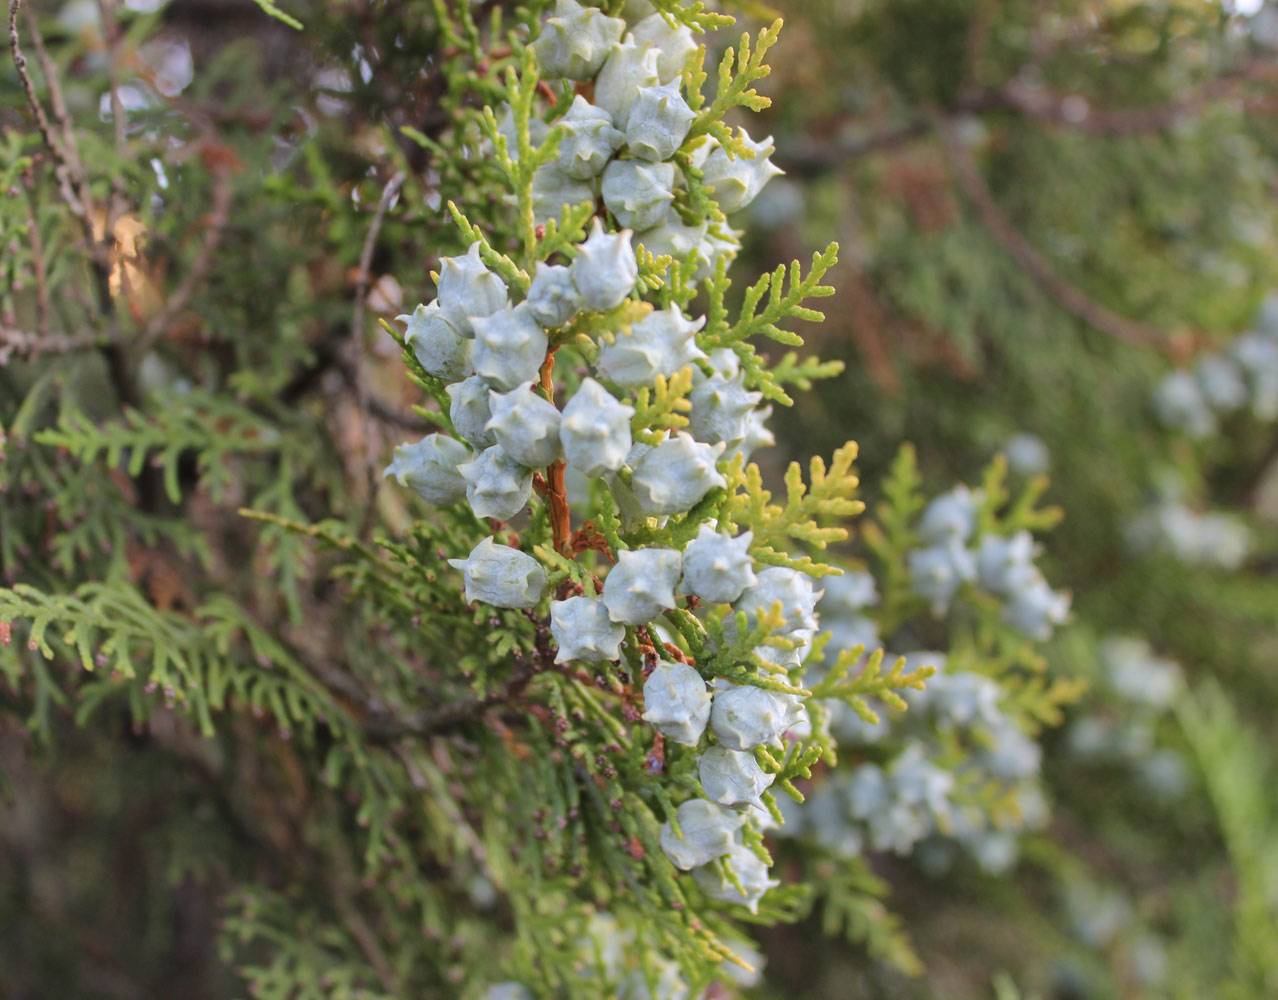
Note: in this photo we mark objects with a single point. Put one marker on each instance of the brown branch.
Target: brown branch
(70, 173)
(63, 169)
(60, 112)
(366, 254)
(355, 349)
(23, 345)
(1066, 295)
(560, 517)
(1040, 104)
(1076, 111)
(811, 158)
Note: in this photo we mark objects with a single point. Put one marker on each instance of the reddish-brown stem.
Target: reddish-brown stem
(560, 521)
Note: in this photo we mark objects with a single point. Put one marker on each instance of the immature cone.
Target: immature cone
(526, 425)
(469, 411)
(629, 66)
(638, 193)
(589, 140)
(706, 830)
(1011, 755)
(1257, 355)
(949, 516)
(674, 44)
(641, 585)
(963, 698)
(658, 123)
(1179, 402)
(732, 778)
(537, 132)
(672, 236)
(1036, 608)
(936, 573)
(721, 408)
(751, 872)
(720, 242)
(849, 593)
(738, 181)
(430, 468)
(553, 299)
(718, 567)
(661, 343)
(1003, 564)
(595, 430)
(676, 702)
(604, 270)
(793, 589)
(501, 576)
(1222, 383)
(676, 474)
(496, 485)
(506, 991)
(467, 288)
(576, 41)
(583, 630)
(756, 436)
(744, 717)
(510, 347)
(552, 189)
(437, 344)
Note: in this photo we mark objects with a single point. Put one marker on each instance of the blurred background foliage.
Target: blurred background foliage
(1045, 206)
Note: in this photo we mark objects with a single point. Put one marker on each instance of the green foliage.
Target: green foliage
(851, 907)
(1236, 768)
(782, 303)
(234, 651)
(213, 428)
(738, 69)
(827, 494)
(663, 407)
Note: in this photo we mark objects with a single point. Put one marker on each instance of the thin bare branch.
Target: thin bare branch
(366, 254)
(51, 140)
(356, 346)
(1037, 103)
(1076, 111)
(1000, 227)
(20, 344)
(811, 158)
(61, 114)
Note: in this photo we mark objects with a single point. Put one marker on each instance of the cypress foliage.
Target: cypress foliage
(483, 648)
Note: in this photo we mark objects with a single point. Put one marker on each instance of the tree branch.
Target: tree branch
(25, 346)
(556, 492)
(1066, 295)
(355, 349)
(63, 170)
(1076, 111)
(1037, 103)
